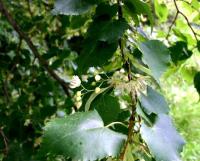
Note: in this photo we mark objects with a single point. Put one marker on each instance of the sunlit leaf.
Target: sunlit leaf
(81, 136)
(156, 56)
(162, 139)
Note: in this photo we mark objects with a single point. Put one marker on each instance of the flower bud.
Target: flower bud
(78, 93)
(97, 77)
(97, 90)
(93, 83)
(78, 104)
(78, 98)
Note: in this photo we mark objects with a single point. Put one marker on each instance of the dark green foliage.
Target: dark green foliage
(180, 51)
(46, 115)
(197, 82)
(108, 107)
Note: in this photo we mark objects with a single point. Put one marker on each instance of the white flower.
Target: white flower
(75, 82)
(97, 77)
(97, 90)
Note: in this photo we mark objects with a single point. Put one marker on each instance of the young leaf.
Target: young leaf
(162, 139)
(156, 56)
(81, 136)
(153, 102)
(161, 11)
(71, 7)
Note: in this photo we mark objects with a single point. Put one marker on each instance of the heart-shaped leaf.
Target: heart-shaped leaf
(162, 139)
(81, 136)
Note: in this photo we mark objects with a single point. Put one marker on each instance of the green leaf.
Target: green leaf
(113, 30)
(161, 11)
(92, 97)
(180, 51)
(139, 7)
(198, 45)
(162, 139)
(153, 102)
(156, 56)
(109, 31)
(108, 107)
(94, 55)
(81, 136)
(197, 82)
(71, 7)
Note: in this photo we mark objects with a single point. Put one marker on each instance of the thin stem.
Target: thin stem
(5, 141)
(115, 123)
(185, 17)
(173, 22)
(86, 89)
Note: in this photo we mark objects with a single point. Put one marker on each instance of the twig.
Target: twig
(172, 25)
(5, 140)
(185, 17)
(189, 3)
(42, 62)
(131, 123)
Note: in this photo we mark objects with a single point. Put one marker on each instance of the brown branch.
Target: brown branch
(5, 140)
(185, 17)
(33, 48)
(133, 94)
(131, 124)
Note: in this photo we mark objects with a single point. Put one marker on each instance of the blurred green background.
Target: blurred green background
(185, 105)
